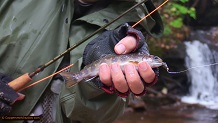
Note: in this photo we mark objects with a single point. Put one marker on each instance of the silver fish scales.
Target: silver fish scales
(91, 71)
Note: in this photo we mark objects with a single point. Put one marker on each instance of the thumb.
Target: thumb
(20, 97)
(126, 45)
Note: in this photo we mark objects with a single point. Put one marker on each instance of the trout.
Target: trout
(91, 71)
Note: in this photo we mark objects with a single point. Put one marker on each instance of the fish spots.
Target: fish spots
(93, 68)
(86, 71)
(81, 74)
(124, 58)
(115, 59)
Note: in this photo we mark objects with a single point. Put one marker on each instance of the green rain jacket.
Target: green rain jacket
(32, 32)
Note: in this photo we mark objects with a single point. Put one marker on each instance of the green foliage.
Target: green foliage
(167, 30)
(172, 15)
(183, 1)
(192, 12)
(177, 23)
(177, 11)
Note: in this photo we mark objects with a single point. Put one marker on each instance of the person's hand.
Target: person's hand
(123, 40)
(131, 78)
(8, 94)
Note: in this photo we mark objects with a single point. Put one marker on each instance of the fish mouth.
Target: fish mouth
(155, 65)
(164, 65)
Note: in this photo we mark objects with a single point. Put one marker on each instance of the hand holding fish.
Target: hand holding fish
(118, 73)
(130, 78)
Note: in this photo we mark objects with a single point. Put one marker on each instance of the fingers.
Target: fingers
(113, 75)
(146, 72)
(125, 45)
(118, 78)
(105, 74)
(132, 80)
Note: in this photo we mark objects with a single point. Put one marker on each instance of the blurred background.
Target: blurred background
(190, 40)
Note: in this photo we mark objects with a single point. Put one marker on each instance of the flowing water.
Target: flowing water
(203, 89)
(204, 80)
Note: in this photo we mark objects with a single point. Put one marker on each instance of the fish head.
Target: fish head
(164, 65)
(155, 61)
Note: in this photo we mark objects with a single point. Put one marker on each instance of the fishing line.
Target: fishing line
(176, 72)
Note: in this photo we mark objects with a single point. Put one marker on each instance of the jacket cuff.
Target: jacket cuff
(153, 82)
(112, 90)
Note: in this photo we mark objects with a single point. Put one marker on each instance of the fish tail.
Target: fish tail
(69, 78)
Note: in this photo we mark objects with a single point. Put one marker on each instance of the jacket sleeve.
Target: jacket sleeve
(85, 103)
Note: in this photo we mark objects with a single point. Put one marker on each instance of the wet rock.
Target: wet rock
(172, 114)
(128, 110)
(137, 104)
(174, 83)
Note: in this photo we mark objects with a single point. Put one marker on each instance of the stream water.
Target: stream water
(201, 104)
(204, 81)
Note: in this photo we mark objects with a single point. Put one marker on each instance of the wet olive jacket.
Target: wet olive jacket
(32, 32)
